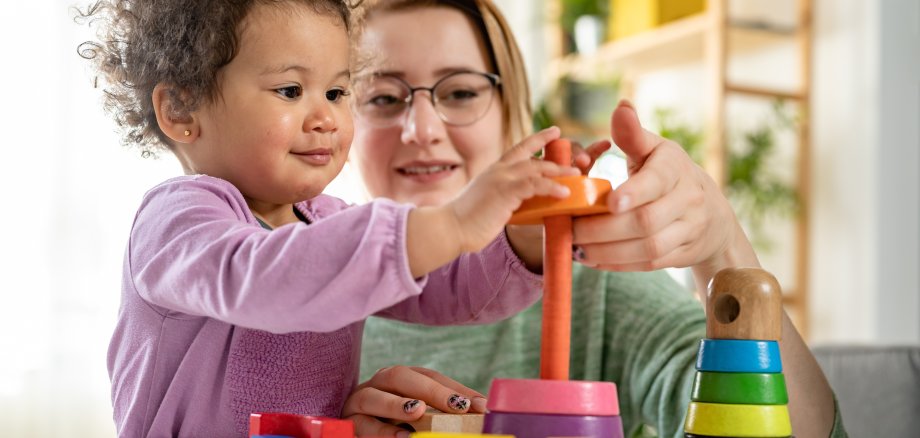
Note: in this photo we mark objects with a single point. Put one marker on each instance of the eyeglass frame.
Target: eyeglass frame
(494, 79)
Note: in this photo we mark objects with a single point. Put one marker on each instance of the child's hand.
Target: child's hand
(486, 205)
(437, 235)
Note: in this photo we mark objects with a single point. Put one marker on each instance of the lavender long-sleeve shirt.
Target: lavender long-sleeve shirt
(221, 318)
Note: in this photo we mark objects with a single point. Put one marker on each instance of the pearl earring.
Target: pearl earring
(188, 132)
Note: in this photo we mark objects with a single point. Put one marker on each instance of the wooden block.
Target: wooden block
(739, 356)
(436, 421)
(589, 196)
(737, 420)
(299, 426)
(744, 303)
(456, 435)
(740, 388)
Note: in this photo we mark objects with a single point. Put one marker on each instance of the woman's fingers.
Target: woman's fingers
(477, 400)
(584, 158)
(658, 176)
(375, 402)
(645, 220)
(643, 254)
(411, 383)
(366, 425)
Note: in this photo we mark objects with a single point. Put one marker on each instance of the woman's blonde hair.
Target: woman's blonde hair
(504, 54)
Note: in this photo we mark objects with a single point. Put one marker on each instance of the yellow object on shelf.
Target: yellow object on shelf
(629, 17)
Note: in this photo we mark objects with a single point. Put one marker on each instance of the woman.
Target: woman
(639, 330)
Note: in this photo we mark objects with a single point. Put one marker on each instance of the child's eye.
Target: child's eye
(336, 94)
(290, 92)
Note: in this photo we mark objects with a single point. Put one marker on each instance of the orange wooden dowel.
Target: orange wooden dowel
(557, 282)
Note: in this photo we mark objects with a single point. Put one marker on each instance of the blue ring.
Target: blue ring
(739, 356)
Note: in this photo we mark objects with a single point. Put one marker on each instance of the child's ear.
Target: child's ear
(179, 126)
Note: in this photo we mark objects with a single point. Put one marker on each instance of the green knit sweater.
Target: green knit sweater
(638, 330)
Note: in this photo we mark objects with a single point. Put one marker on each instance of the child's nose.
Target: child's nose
(320, 119)
(422, 125)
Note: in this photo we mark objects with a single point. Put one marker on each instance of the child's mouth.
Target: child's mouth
(317, 157)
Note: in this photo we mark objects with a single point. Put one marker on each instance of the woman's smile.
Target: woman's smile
(427, 171)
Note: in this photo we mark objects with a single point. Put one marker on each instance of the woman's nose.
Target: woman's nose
(422, 125)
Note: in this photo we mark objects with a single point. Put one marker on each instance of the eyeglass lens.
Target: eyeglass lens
(459, 98)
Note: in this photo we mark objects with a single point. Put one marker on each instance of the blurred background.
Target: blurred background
(807, 112)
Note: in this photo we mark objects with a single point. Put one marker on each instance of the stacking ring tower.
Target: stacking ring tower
(739, 389)
(554, 406)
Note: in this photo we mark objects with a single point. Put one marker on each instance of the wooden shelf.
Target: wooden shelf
(676, 43)
(710, 39)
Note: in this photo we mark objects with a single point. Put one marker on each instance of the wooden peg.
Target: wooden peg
(744, 303)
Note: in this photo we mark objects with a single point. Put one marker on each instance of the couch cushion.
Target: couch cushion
(877, 388)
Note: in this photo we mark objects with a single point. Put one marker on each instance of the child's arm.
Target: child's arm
(196, 250)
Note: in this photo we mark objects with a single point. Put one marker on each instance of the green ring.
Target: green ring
(740, 388)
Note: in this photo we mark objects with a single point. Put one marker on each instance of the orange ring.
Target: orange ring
(589, 196)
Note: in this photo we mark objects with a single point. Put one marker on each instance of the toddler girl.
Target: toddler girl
(245, 289)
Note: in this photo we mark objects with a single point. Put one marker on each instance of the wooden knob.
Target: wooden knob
(744, 303)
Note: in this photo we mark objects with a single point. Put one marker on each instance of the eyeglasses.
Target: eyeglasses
(459, 98)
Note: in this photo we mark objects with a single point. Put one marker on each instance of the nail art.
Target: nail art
(458, 402)
(578, 253)
(410, 405)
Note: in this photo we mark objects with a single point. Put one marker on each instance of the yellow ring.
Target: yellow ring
(716, 419)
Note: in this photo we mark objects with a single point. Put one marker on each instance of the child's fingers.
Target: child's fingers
(379, 403)
(545, 168)
(531, 145)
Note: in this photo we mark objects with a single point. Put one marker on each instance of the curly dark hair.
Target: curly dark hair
(182, 43)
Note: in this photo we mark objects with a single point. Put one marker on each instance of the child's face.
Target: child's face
(281, 127)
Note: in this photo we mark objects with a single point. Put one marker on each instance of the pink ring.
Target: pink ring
(567, 397)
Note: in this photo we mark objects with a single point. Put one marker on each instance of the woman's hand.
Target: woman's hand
(669, 212)
(400, 394)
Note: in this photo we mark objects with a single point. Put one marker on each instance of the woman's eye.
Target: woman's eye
(383, 100)
(461, 95)
(291, 92)
(336, 94)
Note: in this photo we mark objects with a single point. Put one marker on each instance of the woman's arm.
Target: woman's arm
(670, 213)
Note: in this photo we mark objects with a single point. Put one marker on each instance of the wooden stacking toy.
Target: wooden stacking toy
(554, 406)
(271, 424)
(455, 435)
(739, 389)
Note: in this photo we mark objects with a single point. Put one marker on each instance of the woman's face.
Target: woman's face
(419, 158)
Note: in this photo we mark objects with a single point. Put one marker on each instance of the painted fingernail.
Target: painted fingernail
(578, 253)
(403, 434)
(479, 404)
(457, 402)
(623, 204)
(411, 405)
